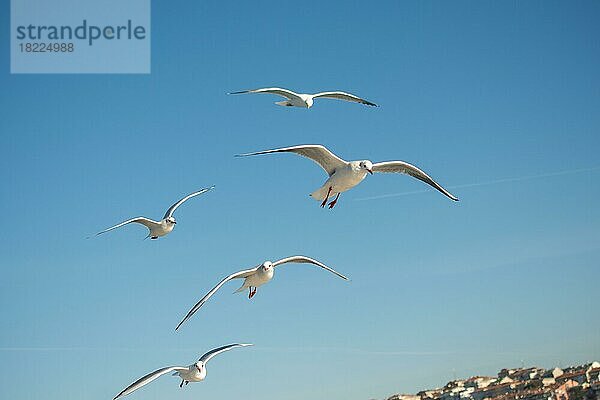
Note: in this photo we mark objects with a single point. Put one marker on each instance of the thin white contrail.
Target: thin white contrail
(351, 350)
(492, 182)
(49, 348)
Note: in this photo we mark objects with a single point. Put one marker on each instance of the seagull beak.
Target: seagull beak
(370, 171)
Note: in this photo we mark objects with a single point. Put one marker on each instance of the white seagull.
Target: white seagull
(193, 373)
(255, 277)
(162, 227)
(344, 175)
(306, 100)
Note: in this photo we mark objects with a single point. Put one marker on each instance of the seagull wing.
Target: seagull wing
(172, 209)
(406, 168)
(288, 94)
(240, 274)
(143, 381)
(206, 357)
(316, 152)
(303, 259)
(344, 96)
(148, 223)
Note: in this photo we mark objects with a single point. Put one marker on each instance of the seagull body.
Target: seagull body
(258, 278)
(164, 226)
(345, 178)
(193, 373)
(255, 277)
(305, 100)
(344, 175)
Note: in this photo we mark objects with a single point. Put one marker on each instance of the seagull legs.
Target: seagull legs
(326, 198)
(251, 292)
(334, 202)
(181, 384)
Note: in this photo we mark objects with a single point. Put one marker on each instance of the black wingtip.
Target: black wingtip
(241, 92)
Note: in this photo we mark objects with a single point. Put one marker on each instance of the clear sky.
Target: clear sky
(498, 101)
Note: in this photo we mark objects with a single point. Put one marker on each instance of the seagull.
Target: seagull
(306, 100)
(193, 373)
(255, 277)
(162, 227)
(344, 175)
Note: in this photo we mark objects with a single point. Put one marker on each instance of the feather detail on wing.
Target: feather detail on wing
(207, 356)
(172, 209)
(406, 168)
(316, 152)
(200, 303)
(304, 259)
(143, 381)
(288, 94)
(344, 96)
(148, 223)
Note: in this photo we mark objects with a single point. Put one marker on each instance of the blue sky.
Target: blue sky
(498, 101)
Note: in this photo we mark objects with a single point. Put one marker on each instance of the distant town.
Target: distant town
(573, 383)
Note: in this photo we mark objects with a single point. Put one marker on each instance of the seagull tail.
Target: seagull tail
(320, 193)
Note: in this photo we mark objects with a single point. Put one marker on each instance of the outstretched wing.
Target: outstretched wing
(148, 223)
(206, 357)
(172, 209)
(304, 259)
(406, 168)
(344, 96)
(288, 94)
(240, 274)
(143, 381)
(316, 152)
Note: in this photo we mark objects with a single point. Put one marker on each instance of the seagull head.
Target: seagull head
(367, 166)
(266, 266)
(309, 102)
(171, 220)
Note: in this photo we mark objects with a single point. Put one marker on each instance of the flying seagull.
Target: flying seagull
(344, 175)
(162, 227)
(255, 277)
(306, 100)
(193, 373)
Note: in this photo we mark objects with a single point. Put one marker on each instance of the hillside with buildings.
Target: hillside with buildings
(581, 382)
